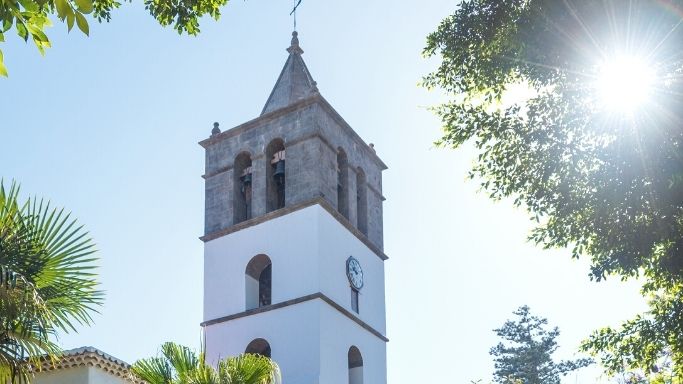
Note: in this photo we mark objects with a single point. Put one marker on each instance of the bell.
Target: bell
(279, 170)
(246, 182)
(246, 179)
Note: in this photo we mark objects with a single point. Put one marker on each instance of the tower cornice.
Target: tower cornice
(287, 210)
(301, 104)
(298, 300)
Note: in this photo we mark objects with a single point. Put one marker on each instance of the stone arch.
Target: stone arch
(342, 183)
(259, 347)
(275, 175)
(361, 201)
(258, 282)
(355, 360)
(242, 182)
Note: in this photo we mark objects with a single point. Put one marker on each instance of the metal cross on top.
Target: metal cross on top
(293, 13)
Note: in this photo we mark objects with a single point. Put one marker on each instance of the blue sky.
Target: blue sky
(108, 126)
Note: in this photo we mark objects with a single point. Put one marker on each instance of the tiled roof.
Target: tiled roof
(295, 82)
(90, 357)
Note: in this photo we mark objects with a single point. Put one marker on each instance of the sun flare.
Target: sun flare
(625, 83)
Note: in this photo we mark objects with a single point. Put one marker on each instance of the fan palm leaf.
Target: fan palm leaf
(248, 368)
(47, 281)
(180, 365)
(154, 370)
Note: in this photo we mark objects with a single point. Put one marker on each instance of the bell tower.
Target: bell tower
(293, 242)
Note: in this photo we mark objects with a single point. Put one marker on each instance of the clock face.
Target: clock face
(354, 272)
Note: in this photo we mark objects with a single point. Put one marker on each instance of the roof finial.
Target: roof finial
(294, 48)
(216, 130)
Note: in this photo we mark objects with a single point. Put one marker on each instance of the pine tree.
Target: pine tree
(525, 354)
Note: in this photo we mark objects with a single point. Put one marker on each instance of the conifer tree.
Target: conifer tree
(525, 354)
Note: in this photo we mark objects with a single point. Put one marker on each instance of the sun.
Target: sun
(624, 83)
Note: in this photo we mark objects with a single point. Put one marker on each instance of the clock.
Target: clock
(354, 272)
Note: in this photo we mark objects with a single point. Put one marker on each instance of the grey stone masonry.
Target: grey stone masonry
(313, 133)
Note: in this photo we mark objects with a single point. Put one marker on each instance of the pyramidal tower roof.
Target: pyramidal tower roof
(295, 81)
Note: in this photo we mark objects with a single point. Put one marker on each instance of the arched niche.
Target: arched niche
(242, 182)
(275, 175)
(361, 201)
(355, 366)
(259, 347)
(258, 282)
(342, 183)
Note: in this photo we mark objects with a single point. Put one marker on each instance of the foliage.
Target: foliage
(180, 365)
(642, 347)
(525, 355)
(29, 18)
(608, 184)
(46, 281)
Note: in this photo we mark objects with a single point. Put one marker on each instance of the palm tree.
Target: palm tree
(47, 282)
(178, 364)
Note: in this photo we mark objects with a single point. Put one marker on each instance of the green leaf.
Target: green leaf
(29, 5)
(70, 18)
(21, 31)
(82, 23)
(3, 69)
(85, 6)
(40, 39)
(2, 37)
(63, 8)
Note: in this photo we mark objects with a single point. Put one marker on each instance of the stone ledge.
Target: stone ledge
(287, 210)
(313, 99)
(291, 302)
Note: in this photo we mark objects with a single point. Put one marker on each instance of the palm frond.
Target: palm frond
(249, 368)
(154, 370)
(47, 282)
(180, 365)
(183, 360)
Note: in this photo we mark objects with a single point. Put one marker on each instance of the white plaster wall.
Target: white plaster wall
(293, 334)
(310, 340)
(98, 376)
(308, 249)
(78, 375)
(337, 335)
(251, 287)
(336, 244)
(356, 375)
(290, 242)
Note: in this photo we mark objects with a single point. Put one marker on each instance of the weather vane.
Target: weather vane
(293, 13)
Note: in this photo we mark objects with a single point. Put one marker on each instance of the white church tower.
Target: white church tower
(293, 243)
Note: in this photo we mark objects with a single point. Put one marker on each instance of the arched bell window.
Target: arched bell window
(275, 173)
(355, 366)
(259, 347)
(242, 188)
(258, 282)
(362, 201)
(342, 181)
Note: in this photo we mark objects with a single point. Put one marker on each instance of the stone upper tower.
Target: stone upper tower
(297, 119)
(294, 261)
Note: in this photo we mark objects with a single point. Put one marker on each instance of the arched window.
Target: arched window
(242, 190)
(258, 282)
(259, 347)
(342, 180)
(355, 366)
(362, 202)
(275, 173)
